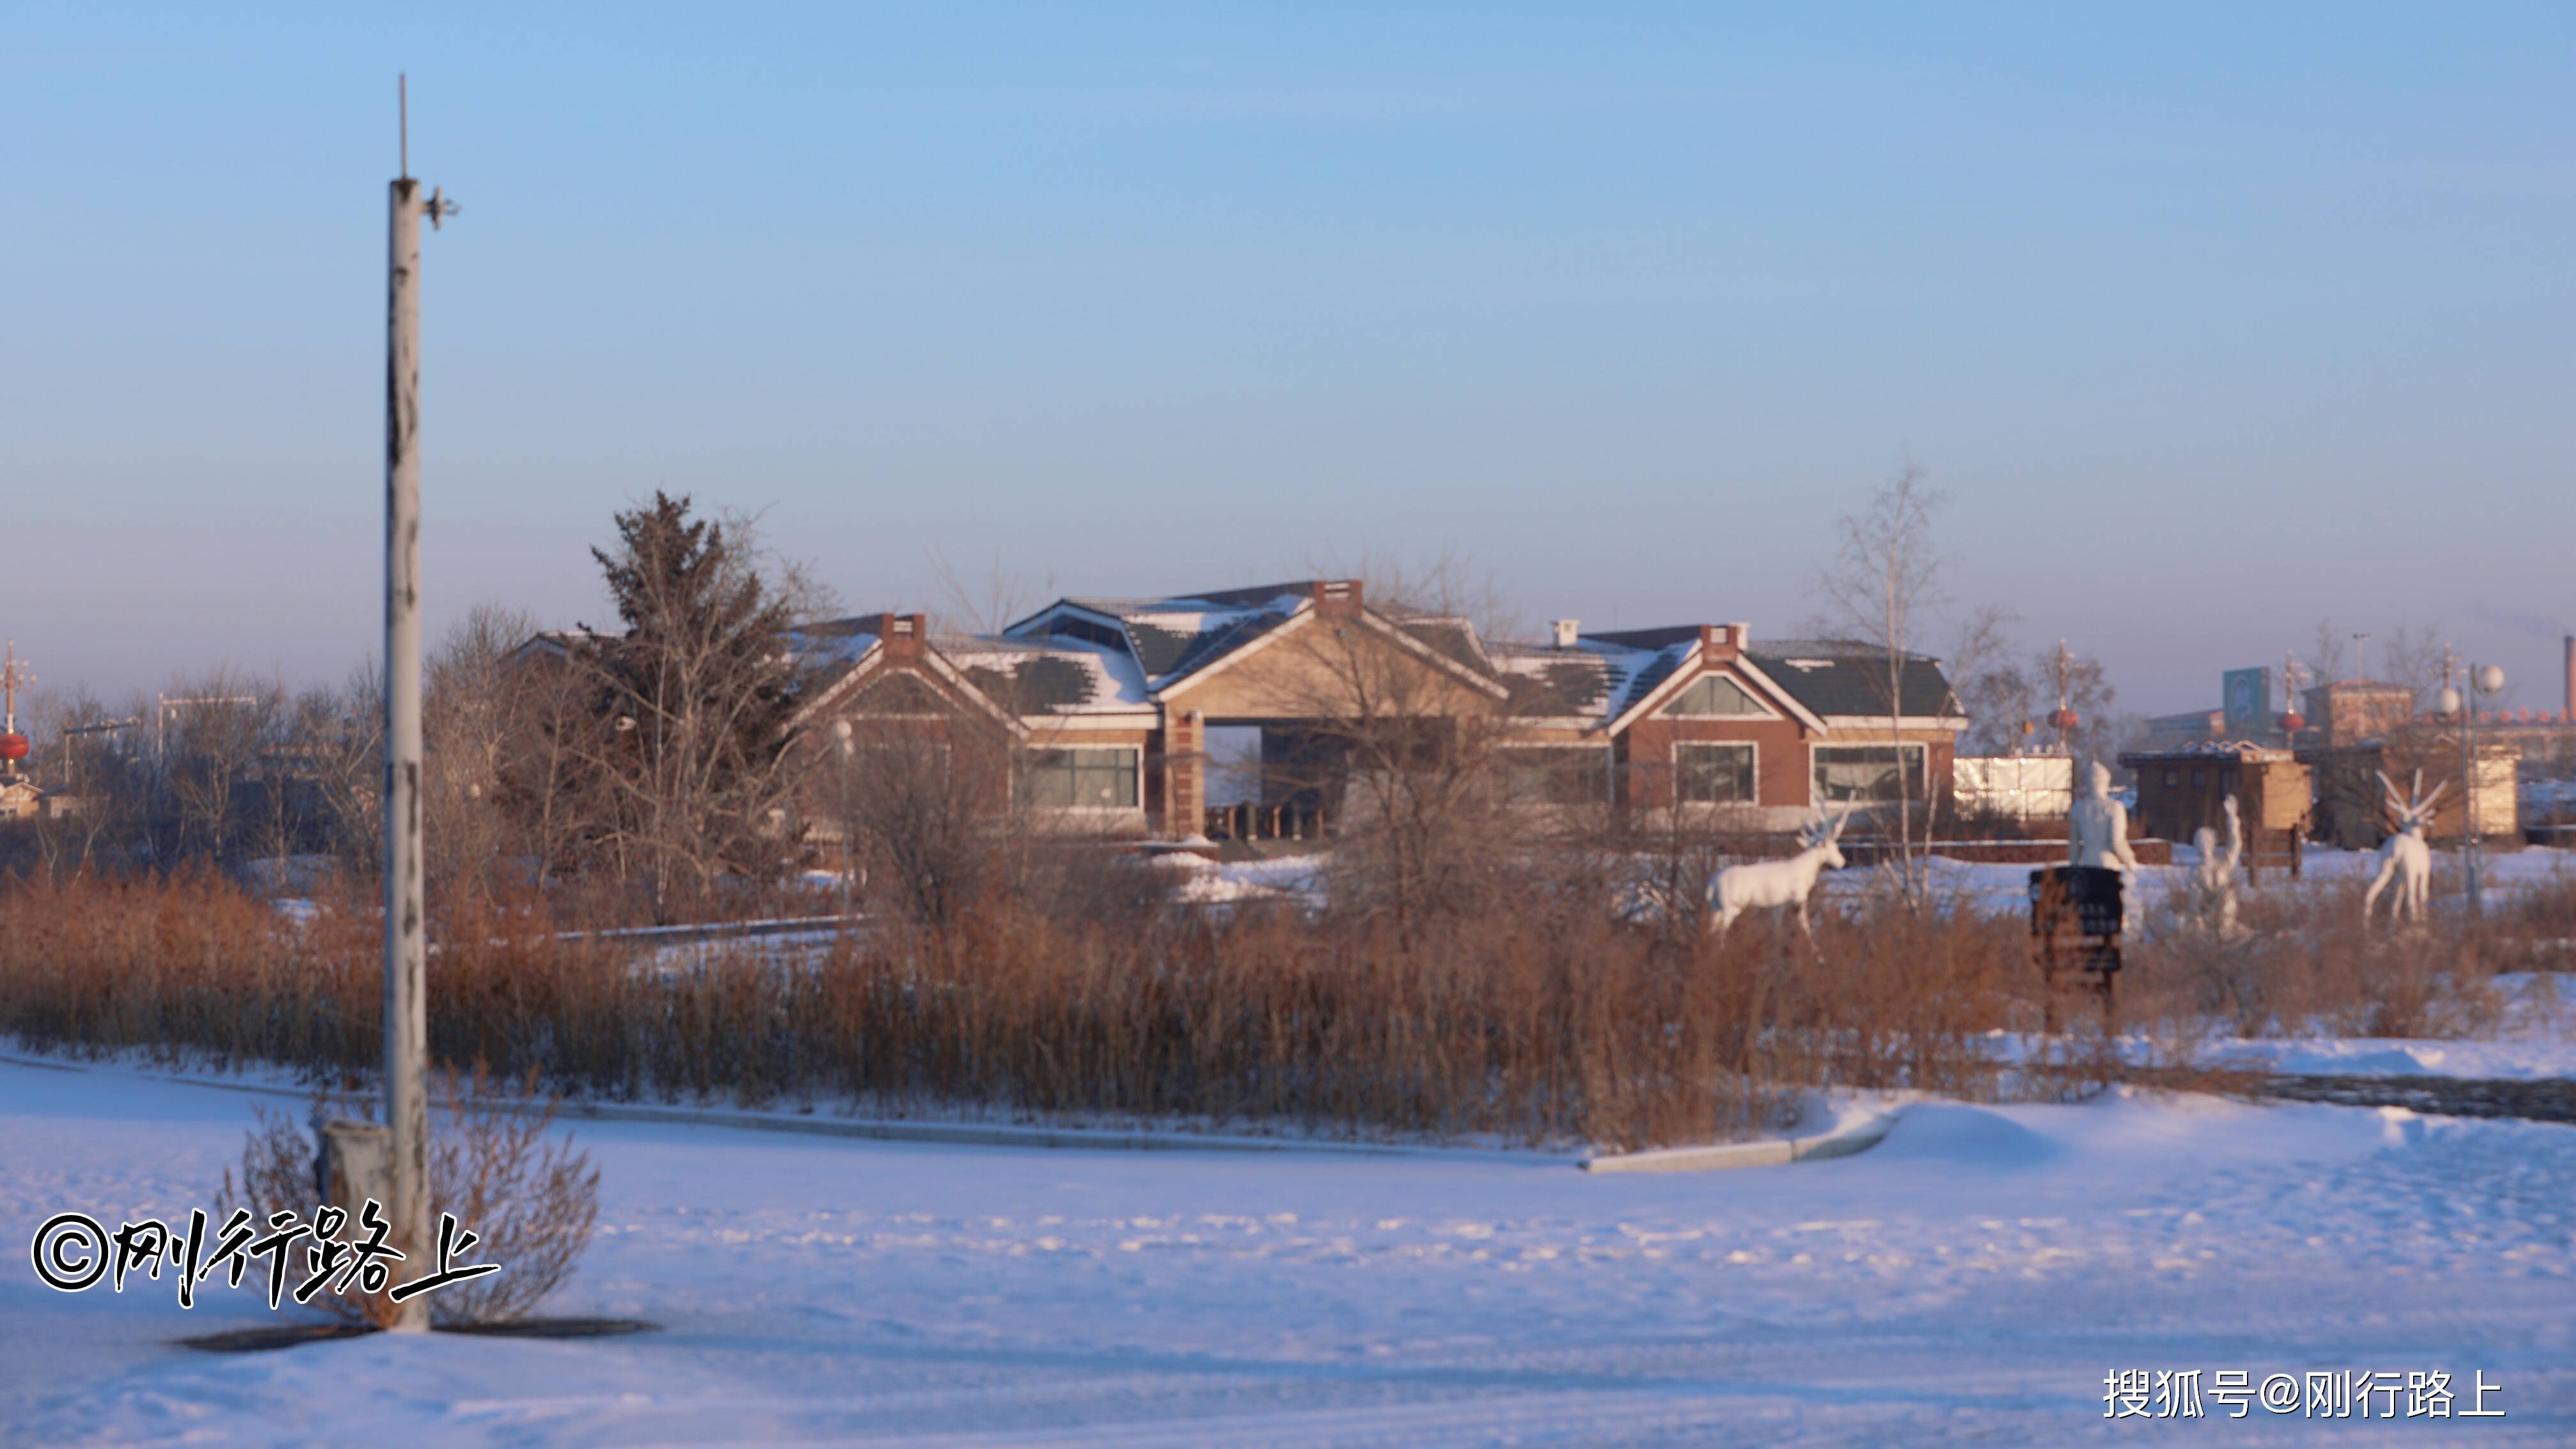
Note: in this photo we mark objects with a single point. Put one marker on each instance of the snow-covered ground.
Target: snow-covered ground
(1970, 1280)
(2006, 888)
(2000, 888)
(2536, 1038)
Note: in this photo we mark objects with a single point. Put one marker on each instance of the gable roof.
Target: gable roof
(1452, 636)
(835, 659)
(1013, 679)
(1845, 677)
(1608, 678)
(1175, 639)
(1060, 677)
(1592, 680)
(1169, 638)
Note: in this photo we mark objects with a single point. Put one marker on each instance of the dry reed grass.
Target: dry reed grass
(1534, 1017)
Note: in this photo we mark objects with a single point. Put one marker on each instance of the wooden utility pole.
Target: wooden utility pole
(406, 924)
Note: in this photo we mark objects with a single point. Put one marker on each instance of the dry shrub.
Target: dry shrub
(531, 1197)
(2306, 963)
(1531, 1013)
(1534, 1016)
(2542, 919)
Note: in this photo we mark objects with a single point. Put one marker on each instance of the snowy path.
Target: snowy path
(1969, 1281)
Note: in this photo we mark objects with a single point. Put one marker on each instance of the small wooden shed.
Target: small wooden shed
(2182, 790)
(2352, 810)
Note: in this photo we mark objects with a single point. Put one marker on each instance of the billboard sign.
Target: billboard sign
(2248, 702)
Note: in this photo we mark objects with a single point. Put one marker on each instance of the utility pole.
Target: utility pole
(406, 923)
(2463, 702)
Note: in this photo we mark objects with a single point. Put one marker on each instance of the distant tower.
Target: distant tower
(2064, 720)
(13, 745)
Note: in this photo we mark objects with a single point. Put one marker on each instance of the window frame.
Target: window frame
(1758, 709)
(1603, 759)
(1751, 773)
(1134, 772)
(1817, 758)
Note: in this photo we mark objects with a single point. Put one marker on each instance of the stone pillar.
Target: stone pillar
(1184, 776)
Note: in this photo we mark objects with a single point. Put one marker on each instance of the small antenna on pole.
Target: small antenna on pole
(402, 112)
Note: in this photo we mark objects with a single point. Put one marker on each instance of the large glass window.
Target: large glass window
(1091, 778)
(1713, 774)
(1556, 775)
(1868, 772)
(1713, 694)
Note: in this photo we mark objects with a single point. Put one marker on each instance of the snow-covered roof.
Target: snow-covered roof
(1050, 676)
(1173, 637)
(1590, 681)
(1845, 677)
(1019, 677)
(1601, 677)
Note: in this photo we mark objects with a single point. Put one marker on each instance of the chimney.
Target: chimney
(1567, 631)
(1720, 642)
(902, 634)
(1337, 597)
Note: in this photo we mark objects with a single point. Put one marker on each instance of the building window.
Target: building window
(1092, 778)
(1868, 772)
(1066, 626)
(1713, 694)
(1713, 774)
(1556, 775)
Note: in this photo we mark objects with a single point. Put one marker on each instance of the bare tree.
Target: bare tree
(546, 778)
(76, 741)
(209, 741)
(694, 701)
(988, 607)
(469, 733)
(1447, 584)
(2414, 656)
(1402, 750)
(1995, 693)
(927, 810)
(347, 726)
(2325, 654)
(1885, 576)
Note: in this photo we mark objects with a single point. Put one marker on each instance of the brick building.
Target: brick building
(1103, 708)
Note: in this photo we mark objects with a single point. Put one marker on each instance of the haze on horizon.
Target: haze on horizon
(2212, 322)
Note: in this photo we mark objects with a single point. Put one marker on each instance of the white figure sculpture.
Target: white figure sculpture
(2213, 880)
(2097, 834)
(1769, 883)
(2404, 857)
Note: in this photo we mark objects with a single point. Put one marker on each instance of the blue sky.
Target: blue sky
(2212, 321)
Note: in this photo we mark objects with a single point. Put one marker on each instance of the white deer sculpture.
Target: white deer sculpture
(2404, 857)
(1770, 883)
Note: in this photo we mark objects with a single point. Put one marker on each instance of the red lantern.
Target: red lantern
(2065, 720)
(13, 747)
(2293, 722)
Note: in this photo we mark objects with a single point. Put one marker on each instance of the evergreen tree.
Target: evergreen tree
(694, 702)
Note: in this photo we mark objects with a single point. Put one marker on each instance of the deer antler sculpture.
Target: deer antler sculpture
(1773, 883)
(2404, 857)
